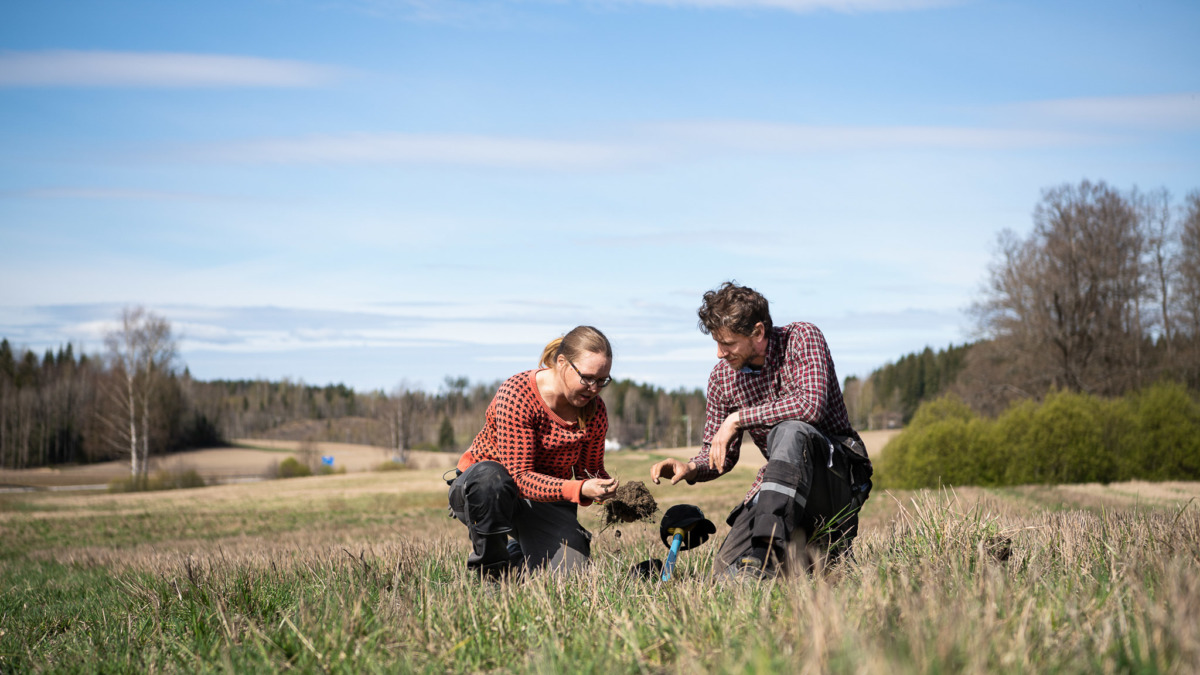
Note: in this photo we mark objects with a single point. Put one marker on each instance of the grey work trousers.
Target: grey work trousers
(805, 496)
(486, 499)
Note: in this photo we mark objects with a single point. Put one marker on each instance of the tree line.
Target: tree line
(1102, 297)
(62, 408)
(889, 397)
(137, 401)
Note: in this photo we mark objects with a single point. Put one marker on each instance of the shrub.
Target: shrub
(1067, 442)
(941, 409)
(392, 465)
(1167, 428)
(162, 480)
(292, 468)
(940, 447)
(188, 478)
(1122, 441)
(1011, 456)
(1153, 434)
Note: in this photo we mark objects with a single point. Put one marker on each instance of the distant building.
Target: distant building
(885, 420)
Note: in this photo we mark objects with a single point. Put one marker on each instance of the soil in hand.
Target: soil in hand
(631, 502)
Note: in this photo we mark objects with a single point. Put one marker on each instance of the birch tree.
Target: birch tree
(406, 410)
(1157, 222)
(142, 354)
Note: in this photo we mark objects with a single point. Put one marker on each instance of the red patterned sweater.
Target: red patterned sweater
(548, 457)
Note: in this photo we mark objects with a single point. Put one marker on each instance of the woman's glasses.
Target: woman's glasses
(590, 381)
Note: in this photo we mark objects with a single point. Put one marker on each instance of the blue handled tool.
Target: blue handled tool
(683, 526)
(676, 542)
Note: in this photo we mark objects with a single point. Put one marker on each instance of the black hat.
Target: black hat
(691, 520)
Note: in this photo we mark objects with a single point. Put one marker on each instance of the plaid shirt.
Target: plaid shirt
(797, 382)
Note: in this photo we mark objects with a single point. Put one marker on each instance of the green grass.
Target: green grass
(366, 574)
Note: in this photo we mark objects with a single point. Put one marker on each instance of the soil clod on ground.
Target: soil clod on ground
(631, 502)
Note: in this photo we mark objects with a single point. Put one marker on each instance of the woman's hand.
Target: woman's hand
(599, 489)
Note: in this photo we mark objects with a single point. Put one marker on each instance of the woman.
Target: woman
(539, 456)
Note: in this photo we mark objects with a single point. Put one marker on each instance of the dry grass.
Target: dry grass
(364, 572)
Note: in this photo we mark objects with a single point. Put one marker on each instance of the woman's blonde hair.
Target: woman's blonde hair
(573, 345)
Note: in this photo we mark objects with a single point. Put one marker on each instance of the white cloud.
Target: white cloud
(652, 144)
(773, 137)
(449, 149)
(66, 68)
(101, 194)
(1166, 111)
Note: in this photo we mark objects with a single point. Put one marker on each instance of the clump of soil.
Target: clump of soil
(632, 501)
(999, 547)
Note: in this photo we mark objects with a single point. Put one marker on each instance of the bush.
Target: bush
(940, 447)
(162, 480)
(1066, 441)
(392, 465)
(1167, 434)
(183, 480)
(1153, 434)
(1009, 443)
(292, 468)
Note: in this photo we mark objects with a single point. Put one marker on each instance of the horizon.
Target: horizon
(183, 367)
(380, 192)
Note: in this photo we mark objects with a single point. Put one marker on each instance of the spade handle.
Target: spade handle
(676, 542)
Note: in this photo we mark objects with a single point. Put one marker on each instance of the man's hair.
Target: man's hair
(735, 307)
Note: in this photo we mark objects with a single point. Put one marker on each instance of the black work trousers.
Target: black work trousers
(486, 499)
(805, 497)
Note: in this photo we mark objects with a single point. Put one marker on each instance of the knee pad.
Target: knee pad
(487, 497)
(783, 478)
(780, 498)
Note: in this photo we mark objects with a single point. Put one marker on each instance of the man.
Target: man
(779, 385)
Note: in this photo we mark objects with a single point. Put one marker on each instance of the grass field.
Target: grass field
(363, 572)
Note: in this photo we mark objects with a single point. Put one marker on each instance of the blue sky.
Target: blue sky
(385, 191)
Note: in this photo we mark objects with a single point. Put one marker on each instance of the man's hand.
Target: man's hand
(719, 446)
(599, 489)
(672, 469)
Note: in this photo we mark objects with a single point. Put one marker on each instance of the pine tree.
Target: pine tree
(446, 435)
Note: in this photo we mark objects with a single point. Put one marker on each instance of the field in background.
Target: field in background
(364, 572)
(252, 458)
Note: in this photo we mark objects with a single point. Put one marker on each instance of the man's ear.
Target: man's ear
(759, 331)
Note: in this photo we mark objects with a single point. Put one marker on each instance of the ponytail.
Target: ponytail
(550, 352)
